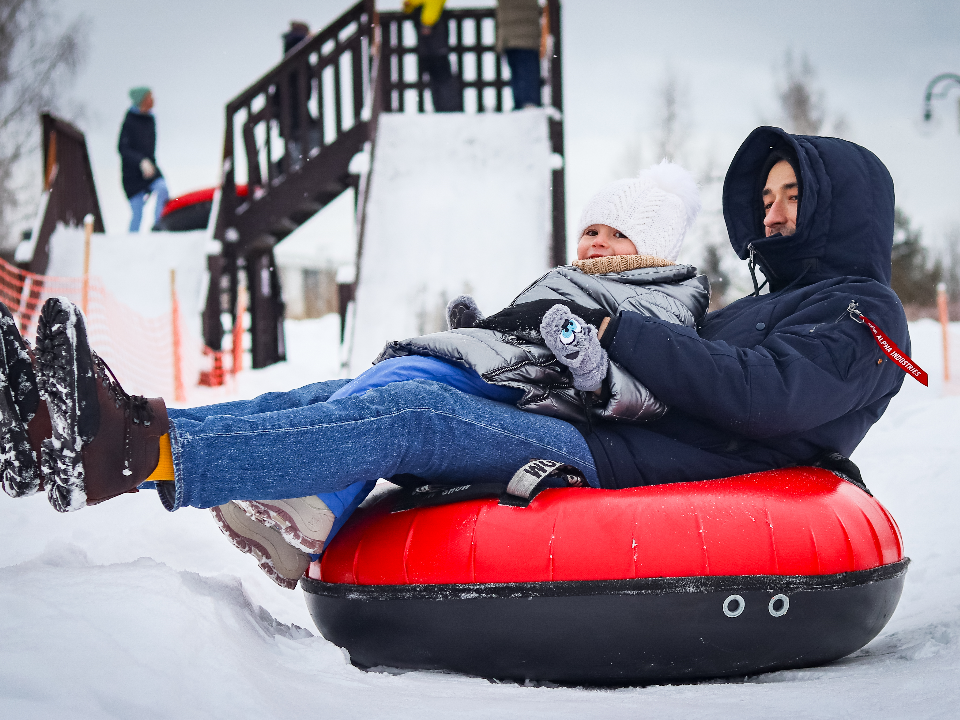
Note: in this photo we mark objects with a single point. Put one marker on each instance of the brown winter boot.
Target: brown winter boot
(104, 442)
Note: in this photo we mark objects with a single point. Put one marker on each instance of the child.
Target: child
(543, 353)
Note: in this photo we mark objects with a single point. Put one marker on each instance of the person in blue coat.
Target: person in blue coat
(778, 379)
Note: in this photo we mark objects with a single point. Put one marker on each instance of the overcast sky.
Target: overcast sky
(873, 61)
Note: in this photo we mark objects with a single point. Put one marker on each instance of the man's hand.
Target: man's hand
(147, 168)
(575, 344)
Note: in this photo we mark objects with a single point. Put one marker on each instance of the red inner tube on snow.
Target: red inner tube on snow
(786, 568)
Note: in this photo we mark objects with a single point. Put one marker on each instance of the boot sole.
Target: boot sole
(61, 455)
(19, 472)
(254, 541)
(307, 531)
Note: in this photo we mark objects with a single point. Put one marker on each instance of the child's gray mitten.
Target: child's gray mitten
(462, 312)
(576, 345)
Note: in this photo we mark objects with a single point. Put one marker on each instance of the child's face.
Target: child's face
(603, 241)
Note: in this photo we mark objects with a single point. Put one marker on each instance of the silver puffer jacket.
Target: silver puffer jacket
(675, 294)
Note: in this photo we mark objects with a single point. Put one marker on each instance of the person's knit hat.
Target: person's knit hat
(654, 209)
(137, 94)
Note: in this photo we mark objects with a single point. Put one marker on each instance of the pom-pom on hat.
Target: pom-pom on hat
(654, 209)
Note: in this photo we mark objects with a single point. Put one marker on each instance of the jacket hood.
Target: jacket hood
(845, 218)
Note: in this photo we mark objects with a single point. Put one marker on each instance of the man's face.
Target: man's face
(146, 105)
(602, 241)
(781, 197)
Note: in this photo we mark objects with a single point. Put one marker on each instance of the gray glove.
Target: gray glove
(576, 345)
(462, 312)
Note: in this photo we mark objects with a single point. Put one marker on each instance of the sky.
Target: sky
(873, 61)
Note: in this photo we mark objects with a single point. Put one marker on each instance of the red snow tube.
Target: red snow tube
(780, 569)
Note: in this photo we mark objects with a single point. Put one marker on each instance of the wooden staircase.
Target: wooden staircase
(291, 136)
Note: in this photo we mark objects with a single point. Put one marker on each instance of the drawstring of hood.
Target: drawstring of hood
(752, 264)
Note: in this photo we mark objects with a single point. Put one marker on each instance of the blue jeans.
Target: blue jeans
(524, 76)
(158, 187)
(286, 445)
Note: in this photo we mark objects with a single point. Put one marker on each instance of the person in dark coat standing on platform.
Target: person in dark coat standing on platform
(433, 50)
(138, 148)
(518, 38)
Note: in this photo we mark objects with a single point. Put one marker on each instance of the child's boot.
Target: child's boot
(284, 563)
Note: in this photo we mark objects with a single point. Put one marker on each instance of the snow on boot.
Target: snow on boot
(104, 442)
(19, 400)
(284, 563)
(303, 522)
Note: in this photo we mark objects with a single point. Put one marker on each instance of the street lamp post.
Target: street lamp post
(948, 79)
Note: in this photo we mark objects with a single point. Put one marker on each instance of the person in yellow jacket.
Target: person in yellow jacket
(433, 49)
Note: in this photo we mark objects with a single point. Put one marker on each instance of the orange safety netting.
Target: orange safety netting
(139, 350)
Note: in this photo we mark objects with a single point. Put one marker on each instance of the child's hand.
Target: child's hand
(462, 312)
(576, 345)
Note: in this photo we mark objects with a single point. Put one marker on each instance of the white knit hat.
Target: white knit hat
(654, 209)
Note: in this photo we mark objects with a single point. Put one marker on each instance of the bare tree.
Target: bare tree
(38, 58)
(673, 126)
(801, 102)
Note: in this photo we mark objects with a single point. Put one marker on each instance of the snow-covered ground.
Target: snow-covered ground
(123, 610)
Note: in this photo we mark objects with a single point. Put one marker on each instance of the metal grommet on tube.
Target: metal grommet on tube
(733, 606)
(778, 606)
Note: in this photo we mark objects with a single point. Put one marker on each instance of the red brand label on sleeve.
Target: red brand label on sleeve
(891, 350)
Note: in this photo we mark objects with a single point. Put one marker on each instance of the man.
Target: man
(433, 53)
(779, 379)
(138, 147)
(518, 38)
(775, 380)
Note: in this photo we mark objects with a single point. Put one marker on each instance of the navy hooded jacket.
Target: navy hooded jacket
(138, 140)
(777, 379)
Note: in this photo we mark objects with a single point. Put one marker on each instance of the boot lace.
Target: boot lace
(135, 407)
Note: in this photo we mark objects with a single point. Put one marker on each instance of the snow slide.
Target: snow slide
(458, 204)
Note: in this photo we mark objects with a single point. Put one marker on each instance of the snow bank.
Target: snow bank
(136, 267)
(458, 204)
(135, 270)
(124, 610)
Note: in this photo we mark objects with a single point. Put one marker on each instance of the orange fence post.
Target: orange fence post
(179, 393)
(237, 334)
(944, 311)
(87, 234)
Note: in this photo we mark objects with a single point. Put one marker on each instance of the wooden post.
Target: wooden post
(87, 233)
(945, 326)
(179, 393)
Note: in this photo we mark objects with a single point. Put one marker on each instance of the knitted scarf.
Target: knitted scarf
(619, 263)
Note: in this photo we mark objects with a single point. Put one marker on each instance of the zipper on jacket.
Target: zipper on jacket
(586, 409)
